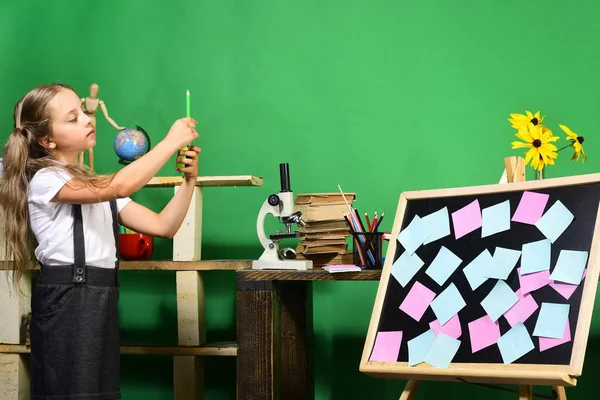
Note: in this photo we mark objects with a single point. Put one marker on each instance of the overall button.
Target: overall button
(79, 278)
(80, 270)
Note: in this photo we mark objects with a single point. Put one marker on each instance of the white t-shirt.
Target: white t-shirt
(52, 223)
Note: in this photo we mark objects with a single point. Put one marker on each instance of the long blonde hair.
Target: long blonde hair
(23, 157)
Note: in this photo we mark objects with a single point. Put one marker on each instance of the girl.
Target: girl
(68, 216)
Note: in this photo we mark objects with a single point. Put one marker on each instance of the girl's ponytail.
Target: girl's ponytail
(17, 239)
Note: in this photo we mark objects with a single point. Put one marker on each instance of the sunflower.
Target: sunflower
(576, 143)
(520, 121)
(538, 141)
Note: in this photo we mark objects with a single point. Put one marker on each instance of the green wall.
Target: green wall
(377, 96)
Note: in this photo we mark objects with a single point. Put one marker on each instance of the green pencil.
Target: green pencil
(187, 103)
(187, 114)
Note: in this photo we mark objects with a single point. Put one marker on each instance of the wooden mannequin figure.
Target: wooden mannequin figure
(91, 104)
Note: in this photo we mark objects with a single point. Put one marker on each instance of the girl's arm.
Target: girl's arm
(166, 223)
(135, 175)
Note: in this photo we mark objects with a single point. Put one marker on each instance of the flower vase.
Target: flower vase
(539, 174)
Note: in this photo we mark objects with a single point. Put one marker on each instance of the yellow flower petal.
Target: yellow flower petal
(570, 133)
(535, 132)
(520, 145)
(519, 121)
(531, 154)
(548, 147)
(536, 163)
(524, 135)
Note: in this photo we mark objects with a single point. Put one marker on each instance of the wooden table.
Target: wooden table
(274, 326)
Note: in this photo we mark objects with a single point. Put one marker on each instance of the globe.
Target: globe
(130, 144)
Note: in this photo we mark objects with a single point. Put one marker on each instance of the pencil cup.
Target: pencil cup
(367, 249)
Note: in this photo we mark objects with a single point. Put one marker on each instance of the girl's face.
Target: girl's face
(72, 130)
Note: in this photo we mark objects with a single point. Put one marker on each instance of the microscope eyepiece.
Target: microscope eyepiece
(284, 176)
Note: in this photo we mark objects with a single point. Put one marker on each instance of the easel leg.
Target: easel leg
(559, 392)
(525, 392)
(410, 390)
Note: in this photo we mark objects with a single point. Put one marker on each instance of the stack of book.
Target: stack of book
(324, 241)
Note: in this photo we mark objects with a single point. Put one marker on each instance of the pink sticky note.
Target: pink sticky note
(417, 300)
(521, 311)
(451, 328)
(531, 282)
(548, 343)
(530, 208)
(387, 346)
(566, 290)
(467, 219)
(483, 332)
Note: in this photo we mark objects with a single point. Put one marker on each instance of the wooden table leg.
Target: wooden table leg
(297, 382)
(257, 315)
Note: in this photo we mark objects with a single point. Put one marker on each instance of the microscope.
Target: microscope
(280, 205)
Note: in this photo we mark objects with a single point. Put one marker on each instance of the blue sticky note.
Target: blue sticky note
(535, 257)
(495, 219)
(413, 235)
(555, 221)
(447, 304)
(406, 267)
(443, 265)
(503, 263)
(419, 347)
(500, 299)
(442, 351)
(515, 343)
(438, 225)
(477, 269)
(552, 320)
(569, 267)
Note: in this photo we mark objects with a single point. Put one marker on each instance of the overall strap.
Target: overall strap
(78, 245)
(115, 217)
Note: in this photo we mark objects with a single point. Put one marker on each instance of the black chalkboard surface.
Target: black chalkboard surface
(557, 365)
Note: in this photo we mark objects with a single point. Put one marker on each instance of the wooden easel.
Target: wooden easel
(514, 171)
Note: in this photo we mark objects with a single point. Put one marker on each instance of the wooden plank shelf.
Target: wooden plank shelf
(315, 274)
(221, 349)
(207, 181)
(200, 265)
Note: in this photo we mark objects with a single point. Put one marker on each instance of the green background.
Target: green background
(377, 96)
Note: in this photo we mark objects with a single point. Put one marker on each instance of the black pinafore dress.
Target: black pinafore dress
(75, 349)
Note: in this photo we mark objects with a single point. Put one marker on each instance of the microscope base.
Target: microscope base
(299, 265)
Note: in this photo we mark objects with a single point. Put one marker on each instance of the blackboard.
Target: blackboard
(558, 365)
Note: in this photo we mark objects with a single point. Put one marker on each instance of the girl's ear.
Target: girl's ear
(47, 143)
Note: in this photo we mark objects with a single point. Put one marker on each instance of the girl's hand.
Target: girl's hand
(190, 159)
(182, 133)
